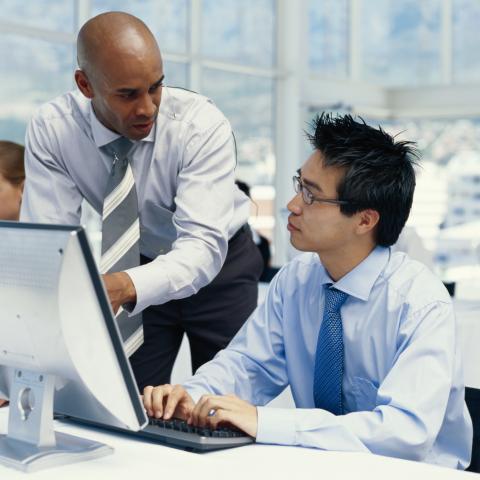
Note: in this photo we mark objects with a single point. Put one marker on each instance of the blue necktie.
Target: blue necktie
(328, 373)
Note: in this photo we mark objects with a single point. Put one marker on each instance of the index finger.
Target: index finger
(147, 399)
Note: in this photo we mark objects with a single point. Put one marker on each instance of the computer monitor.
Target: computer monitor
(60, 348)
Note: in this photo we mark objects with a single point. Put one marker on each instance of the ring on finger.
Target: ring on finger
(211, 412)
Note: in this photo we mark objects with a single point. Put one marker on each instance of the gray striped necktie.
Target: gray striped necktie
(121, 232)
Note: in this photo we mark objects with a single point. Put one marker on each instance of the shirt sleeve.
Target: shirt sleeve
(204, 209)
(410, 403)
(253, 366)
(50, 195)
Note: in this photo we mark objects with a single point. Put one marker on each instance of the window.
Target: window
(39, 71)
(237, 61)
(328, 37)
(247, 102)
(466, 41)
(55, 15)
(239, 32)
(176, 74)
(400, 42)
(168, 19)
(357, 53)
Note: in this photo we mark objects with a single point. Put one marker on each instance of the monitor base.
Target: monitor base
(31, 442)
(67, 449)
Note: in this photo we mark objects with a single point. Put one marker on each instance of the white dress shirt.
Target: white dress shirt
(189, 205)
(403, 390)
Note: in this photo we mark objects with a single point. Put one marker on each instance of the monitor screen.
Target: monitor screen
(60, 347)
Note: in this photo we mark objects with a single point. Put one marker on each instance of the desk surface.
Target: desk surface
(141, 460)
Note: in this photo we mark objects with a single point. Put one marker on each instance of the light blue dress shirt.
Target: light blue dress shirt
(188, 203)
(403, 388)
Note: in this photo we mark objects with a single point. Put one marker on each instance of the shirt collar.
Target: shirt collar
(360, 281)
(103, 135)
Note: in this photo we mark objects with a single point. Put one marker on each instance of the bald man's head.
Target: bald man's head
(109, 34)
(121, 71)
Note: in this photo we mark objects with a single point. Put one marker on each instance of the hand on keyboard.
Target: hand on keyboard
(216, 410)
(166, 401)
(181, 434)
(212, 411)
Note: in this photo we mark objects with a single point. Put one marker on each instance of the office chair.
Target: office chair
(472, 399)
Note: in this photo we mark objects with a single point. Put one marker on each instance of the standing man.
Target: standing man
(364, 337)
(158, 164)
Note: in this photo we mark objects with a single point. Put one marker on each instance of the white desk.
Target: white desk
(136, 459)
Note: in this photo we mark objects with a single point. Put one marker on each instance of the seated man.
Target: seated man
(364, 337)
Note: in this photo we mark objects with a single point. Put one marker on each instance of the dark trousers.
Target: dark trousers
(210, 318)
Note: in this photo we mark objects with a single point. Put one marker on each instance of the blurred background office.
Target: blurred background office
(411, 66)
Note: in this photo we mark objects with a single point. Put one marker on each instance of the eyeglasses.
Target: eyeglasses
(308, 196)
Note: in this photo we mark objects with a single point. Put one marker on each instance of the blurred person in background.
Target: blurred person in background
(12, 178)
(412, 244)
(260, 241)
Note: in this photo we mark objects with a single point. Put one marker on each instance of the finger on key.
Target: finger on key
(147, 400)
(176, 395)
(158, 398)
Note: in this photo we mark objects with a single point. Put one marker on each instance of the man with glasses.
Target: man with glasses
(364, 337)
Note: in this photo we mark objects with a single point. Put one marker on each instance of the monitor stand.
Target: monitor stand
(31, 443)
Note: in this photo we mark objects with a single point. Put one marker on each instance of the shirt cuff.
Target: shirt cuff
(276, 425)
(195, 393)
(150, 285)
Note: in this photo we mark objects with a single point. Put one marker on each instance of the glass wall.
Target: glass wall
(353, 52)
(239, 32)
(37, 71)
(466, 41)
(328, 38)
(400, 42)
(31, 13)
(167, 19)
